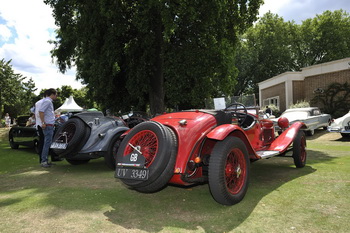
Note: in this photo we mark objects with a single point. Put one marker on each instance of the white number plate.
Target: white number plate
(57, 145)
(131, 173)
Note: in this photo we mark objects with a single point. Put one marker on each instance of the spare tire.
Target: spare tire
(168, 172)
(111, 153)
(158, 145)
(74, 132)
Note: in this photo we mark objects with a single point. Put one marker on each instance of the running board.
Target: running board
(265, 154)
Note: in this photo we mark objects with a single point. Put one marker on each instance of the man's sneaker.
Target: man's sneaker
(45, 164)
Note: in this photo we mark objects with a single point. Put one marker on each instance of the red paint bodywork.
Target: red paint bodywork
(198, 136)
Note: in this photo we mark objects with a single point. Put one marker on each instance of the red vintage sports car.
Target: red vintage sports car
(196, 146)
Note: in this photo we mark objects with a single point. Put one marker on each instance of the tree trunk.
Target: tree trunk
(156, 94)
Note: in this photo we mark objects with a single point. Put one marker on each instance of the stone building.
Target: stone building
(290, 87)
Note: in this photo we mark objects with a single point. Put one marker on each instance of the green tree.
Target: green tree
(265, 51)
(335, 99)
(151, 52)
(64, 92)
(80, 96)
(274, 46)
(16, 91)
(324, 38)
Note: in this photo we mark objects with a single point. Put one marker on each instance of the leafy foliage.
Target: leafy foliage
(335, 99)
(264, 52)
(300, 104)
(80, 96)
(156, 52)
(16, 91)
(274, 46)
(324, 38)
(275, 110)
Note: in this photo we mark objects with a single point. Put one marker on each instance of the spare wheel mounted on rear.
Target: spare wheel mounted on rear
(153, 144)
(75, 133)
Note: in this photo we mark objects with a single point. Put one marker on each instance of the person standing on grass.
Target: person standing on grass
(47, 120)
(38, 125)
(7, 120)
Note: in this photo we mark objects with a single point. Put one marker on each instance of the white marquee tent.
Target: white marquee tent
(69, 105)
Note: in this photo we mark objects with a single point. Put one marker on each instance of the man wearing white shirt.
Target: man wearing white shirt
(38, 125)
(46, 121)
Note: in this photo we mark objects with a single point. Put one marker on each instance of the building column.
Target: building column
(289, 92)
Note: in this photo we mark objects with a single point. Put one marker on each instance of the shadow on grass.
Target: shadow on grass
(92, 187)
(343, 139)
(318, 133)
(327, 136)
(193, 208)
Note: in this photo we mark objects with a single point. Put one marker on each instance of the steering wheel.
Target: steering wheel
(238, 111)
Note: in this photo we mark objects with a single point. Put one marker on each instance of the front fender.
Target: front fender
(222, 131)
(99, 140)
(287, 137)
(88, 117)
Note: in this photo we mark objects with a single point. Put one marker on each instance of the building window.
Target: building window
(272, 100)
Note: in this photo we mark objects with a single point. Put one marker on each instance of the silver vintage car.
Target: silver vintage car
(91, 135)
(311, 117)
(341, 125)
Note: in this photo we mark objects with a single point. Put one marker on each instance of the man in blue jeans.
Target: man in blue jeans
(47, 119)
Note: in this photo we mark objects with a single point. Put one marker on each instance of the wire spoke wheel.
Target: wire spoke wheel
(158, 145)
(147, 142)
(70, 131)
(229, 171)
(75, 133)
(299, 150)
(235, 171)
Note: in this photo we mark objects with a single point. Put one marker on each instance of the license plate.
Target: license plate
(57, 145)
(132, 173)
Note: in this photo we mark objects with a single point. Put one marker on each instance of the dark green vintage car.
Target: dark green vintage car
(22, 135)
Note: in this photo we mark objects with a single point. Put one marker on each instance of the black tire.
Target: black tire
(168, 172)
(299, 151)
(41, 141)
(77, 162)
(37, 147)
(111, 154)
(133, 121)
(310, 132)
(229, 169)
(77, 135)
(54, 156)
(13, 145)
(160, 139)
(345, 135)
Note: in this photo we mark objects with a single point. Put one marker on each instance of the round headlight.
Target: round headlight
(283, 122)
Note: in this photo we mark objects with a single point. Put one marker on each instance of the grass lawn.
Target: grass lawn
(87, 198)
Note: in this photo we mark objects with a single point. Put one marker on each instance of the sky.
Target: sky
(26, 26)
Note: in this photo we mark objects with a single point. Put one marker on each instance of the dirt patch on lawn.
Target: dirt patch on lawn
(323, 135)
(4, 132)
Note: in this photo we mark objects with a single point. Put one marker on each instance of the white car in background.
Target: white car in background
(311, 117)
(341, 125)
